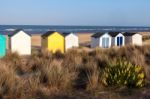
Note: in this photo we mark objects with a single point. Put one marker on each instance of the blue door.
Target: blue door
(119, 41)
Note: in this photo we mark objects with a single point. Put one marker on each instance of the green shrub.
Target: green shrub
(123, 73)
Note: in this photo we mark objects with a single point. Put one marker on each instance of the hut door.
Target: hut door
(119, 41)
(105, 42)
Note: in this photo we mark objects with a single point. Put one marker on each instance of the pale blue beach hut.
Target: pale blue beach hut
(2, 46)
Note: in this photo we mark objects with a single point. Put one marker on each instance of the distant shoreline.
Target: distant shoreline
(38, 29)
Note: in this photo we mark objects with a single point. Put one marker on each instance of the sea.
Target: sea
(40, 29)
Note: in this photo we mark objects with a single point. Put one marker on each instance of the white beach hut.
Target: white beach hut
(133, 38)
(101, 40)
(118, 39)
(71, 40)
(20, 42)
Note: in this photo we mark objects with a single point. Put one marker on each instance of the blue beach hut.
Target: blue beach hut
(2, 46)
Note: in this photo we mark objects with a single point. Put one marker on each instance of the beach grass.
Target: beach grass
(74, 75)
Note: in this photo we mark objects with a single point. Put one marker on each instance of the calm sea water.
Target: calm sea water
(40, 29)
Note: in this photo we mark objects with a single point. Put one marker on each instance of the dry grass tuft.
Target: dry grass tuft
(9, 82)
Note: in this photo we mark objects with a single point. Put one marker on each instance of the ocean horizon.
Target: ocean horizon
(40, 29)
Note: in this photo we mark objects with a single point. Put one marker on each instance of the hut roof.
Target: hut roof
(66, 34)
(97, 35)
(129, 34)
(16, 31)
(113, 34)
(49, 33)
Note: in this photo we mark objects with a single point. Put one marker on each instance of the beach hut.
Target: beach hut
(133, 38)
(53, 41)
(118, 39)
(2, 46)
(71, 40)
(20, 42)
(101, 40)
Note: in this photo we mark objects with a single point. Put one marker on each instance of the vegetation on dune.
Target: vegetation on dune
(124, 73)
(76, 74)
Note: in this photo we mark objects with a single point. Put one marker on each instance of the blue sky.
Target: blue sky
(75, 12)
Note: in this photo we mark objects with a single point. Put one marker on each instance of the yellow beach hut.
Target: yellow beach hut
(53, 41)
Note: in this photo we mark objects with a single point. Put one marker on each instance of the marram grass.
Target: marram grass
(76, 74)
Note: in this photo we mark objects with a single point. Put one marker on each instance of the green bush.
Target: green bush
(123, 73)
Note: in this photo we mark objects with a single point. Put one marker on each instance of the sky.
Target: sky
(75, 12)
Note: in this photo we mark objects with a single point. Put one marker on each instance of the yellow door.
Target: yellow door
(56, 42)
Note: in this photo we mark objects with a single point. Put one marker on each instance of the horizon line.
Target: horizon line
(74, 25)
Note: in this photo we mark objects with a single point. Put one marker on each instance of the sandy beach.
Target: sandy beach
(146, 34)
(84, 39)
